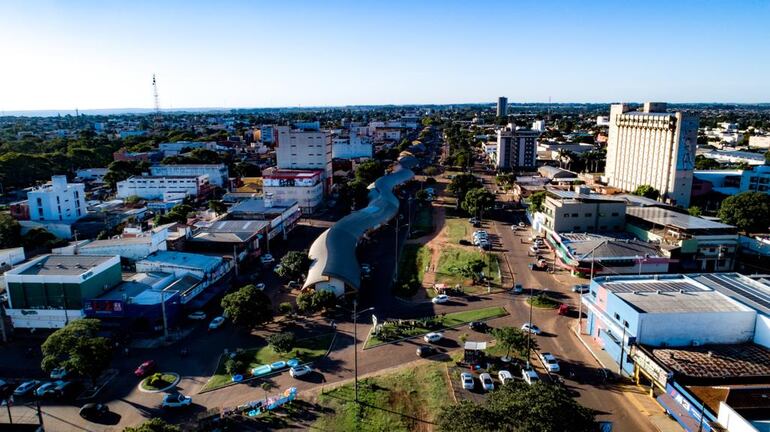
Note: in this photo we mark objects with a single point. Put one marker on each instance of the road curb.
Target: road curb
(574, 330)
(177, 378)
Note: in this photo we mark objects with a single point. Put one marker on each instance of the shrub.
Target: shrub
(234, 366)
(281, 342)
(285, 308)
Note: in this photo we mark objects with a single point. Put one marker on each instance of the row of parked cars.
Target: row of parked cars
(481, 239)
(58, 387)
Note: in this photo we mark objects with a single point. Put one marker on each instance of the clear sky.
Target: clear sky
(102, 54)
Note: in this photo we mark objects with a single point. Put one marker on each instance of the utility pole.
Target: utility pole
(622, 349)
(356, 313)
(163, 311)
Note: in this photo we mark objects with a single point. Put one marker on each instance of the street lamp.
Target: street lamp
(356, 313)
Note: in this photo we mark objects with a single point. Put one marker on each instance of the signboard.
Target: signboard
(650, 367)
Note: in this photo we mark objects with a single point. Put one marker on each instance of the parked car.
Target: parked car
(197, 316)
(550, 361)
(529, 327)
(582, 289)
(522, 224)
(260, 286)
(425, 351)
(94, 411)
(66, 389)
(58, 373)
(26, 387)
(300, 370)
(467, 381)
(146, 368)
(216, 323)
(478, 326)
(175, 401)
(441, 298)
(267, 259)
(433, 337)
(47, 389)
(293, 284)
(485, 245)
(518, 289)
(473, 220)
(504, 376)
(486, 382)
(530, 376)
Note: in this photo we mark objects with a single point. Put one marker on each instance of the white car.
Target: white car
(175, 401)
(216, 323)
(58, 373)
(266, 259)
(467, 381)
(441, 298)
(486, 382)
(529, 327)
(433, 337)
(522, 224)
(299, 370)
(197, 316)
(550, 362)
(504, 376)
(530, 376)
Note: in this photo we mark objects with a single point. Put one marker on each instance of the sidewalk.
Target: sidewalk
(637, 396)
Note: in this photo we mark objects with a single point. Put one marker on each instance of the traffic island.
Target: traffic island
(542, 301)
(159, 382)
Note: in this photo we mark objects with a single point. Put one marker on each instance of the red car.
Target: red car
(145, 368)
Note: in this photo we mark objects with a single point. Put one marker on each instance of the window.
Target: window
(575, 215)
(39, 201)
(589, 214)
(566, 215)
(617, 317)
(614, 213)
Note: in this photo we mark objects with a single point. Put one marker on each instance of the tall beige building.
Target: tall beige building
(652, 147)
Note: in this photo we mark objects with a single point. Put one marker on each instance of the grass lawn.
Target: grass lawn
(165, 381)
(411, 269)
(543, 302)
(306, 350)
(391, 402)
(457, 229)
(453, 257)
(423, 221)
(438, 322)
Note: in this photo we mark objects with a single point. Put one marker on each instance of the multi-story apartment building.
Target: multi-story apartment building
(351, 146)
(163, 188)
(57, 201)
(652, 147)
(502, 106)
(301, 149)
(516, 148)
(583, 211)
(304, 186)
(217, 173)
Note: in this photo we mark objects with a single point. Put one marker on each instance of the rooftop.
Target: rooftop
(257, 205)
(577, 196)
(63, 265)
(666, 217)
(754, 292)
(750, 401)
(749, 362)
(236, 226)
(587, 246)
(680, 302)
(183, 259)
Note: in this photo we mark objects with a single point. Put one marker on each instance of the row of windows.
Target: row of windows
(574, 215)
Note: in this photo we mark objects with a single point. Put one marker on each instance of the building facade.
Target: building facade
(58, 201)
(217, 173)
(516, 148)
(652, 147)
(582, 211)
(303, 186)
(163, 188)
(502, 106)
(352, 146)
(300, 149)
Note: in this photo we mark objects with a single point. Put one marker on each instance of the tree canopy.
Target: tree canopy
(248, 307)
(10, 232)
(77, 348)
(461, 184)
(749, 211)
(513, 339)
(477, 201)
(647, 191)
(294, 265)
(156, 424)
(369, 171)
(536, 200)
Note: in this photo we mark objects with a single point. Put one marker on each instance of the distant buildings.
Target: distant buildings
(538, 125)
(351, 146)
(175, 148)
(602, 121)
(732, 182)
(652, 147)
(502, 106)
(164, 188)
(217, 173)
(57, 201)
(762, 142)
(95, 175)
(516, 148)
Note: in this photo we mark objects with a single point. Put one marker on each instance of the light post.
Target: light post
(622, 348)
(163, 311)
(356, 313)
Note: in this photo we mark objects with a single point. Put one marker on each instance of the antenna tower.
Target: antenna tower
(157, 102)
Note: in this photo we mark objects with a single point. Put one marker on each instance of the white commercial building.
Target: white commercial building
(57, 201)
(538, 125)
(163, 188)
(91, 174)
(298, 149)
(351, 147)
(652, 147)
(217, 173)
(516, 148)
(304, 186)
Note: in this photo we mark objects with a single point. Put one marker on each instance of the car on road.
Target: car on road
(504, 376)
(216, 323)
(486, 382)
(522, 224)
(146, 368)
(26, 387)
(260, 286)
(267, 259)
(425, 351)
(466, 379)
(529, 327)
(518, 289)
(530, 376)
(300, 370)
(550, 362)
(48, 389)
(441, 298)
(197, 316)
(473, 220)
(433, 337)
(582, 289)
(177, 400)
(58, 373)
(94, 411)
(478, 326)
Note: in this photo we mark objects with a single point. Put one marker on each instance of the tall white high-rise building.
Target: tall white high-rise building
(516, 148)
(303, 149)
(502, 106)
(652, 147)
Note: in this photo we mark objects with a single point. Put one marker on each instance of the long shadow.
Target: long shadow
(368, 405)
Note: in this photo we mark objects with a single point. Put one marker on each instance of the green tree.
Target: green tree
(294, 265)
(285, 308)
(477, 201)
(156, 424)
(647, 191)
(120, 170)
(704, 163)
(281, 342)
(513, 339)
(217, 206)
(177, 214)
(305, 302)
(536, 200)
(323, 299)
(694, 211)
(77, 348)
(471, 270)
(466, 417)
(248, 307)
(749, 211)
(369, 171)
(461, 184)
(40, 238)
(10, 232)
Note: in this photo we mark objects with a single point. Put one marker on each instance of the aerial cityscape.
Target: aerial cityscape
(359, 216)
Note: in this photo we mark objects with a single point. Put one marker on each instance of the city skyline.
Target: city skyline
(90, 55)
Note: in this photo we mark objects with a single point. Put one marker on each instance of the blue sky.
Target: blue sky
(102, 54)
